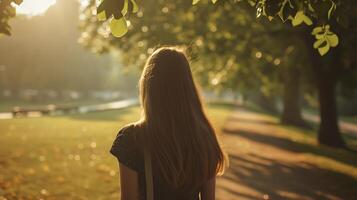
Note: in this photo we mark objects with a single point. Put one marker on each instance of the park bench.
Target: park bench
(42, 110)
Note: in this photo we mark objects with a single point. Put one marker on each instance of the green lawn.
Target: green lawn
(351, 119)
(66, 157)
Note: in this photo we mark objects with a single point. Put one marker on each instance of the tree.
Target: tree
(229, 42)
(7, 11)
(330, 19)
(224, 52)
(297, 11)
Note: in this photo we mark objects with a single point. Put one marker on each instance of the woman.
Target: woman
(173, 132)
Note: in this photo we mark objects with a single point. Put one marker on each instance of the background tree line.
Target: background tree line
(43, 54)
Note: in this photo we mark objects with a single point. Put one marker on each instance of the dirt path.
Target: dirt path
(346, 127)
(266, 164)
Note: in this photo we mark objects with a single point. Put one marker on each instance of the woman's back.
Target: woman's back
(178, 138)
(130, 152)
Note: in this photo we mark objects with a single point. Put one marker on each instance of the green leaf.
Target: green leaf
(298, 19)
(332, 8)
(118, 27)
(318, 43)
(301, 17)
(307, 20)
(194, 2)
(112, 7)
(319, 36)
(102, 6)
(323, 50)
(101, 16)
(125, 8)
(332, 40)
(135, 6)
(311, 9)
(325, 39)
(317, 30)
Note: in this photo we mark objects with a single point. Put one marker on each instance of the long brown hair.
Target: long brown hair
(184, 146)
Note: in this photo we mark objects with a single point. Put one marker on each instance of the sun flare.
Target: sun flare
(34, 7)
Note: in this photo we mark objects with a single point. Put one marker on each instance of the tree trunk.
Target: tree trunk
(326, 71)
(329, 132)
(292, 109)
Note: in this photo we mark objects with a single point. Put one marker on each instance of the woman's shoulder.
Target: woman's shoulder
(126, 146)
(127, 136)
(126, 130)
(129, 133)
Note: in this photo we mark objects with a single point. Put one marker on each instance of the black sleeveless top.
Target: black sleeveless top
(129, 152)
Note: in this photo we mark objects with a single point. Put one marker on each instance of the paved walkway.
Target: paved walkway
(266, 164)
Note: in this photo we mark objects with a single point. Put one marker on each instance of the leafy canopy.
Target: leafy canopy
(115, 10)
(317, 13)
(7, 11)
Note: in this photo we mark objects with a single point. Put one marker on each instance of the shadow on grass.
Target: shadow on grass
(284, 181)
(310, 129)
(286, 144)
(254, 121)
(226, 105)
(308, 124)
(281, 179)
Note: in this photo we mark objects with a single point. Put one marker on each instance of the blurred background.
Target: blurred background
(287, 116)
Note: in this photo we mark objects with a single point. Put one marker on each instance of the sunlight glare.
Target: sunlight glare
(31, 8)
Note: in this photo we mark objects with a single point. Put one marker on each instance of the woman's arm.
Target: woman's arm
(129, 183)
(209, 190)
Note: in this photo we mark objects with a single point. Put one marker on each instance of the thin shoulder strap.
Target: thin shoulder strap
(148, 173)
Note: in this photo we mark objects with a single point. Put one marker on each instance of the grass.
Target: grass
(351, 119)
(66, 157)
